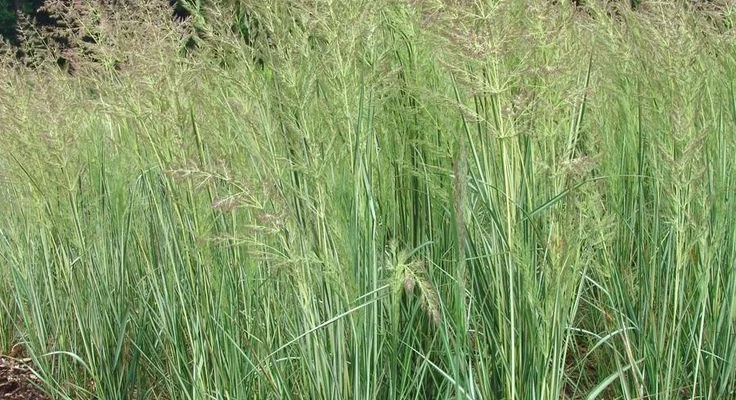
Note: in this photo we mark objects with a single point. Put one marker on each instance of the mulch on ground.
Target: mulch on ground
(17, 381)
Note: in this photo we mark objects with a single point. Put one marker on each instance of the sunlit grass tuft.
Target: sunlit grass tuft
(420, 200)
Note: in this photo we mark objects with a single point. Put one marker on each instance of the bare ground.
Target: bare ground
(17, 381)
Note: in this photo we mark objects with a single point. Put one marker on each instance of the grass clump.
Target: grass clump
(388, 200)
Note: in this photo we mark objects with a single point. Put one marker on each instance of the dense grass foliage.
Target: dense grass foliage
(376, 199)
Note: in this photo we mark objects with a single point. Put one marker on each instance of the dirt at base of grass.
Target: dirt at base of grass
(17, 381)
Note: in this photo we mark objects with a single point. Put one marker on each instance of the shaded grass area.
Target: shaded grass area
(397, 201)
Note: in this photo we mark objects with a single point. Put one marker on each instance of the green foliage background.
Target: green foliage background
(8, 14)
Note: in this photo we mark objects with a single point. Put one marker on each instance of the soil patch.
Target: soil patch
(17, 381)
